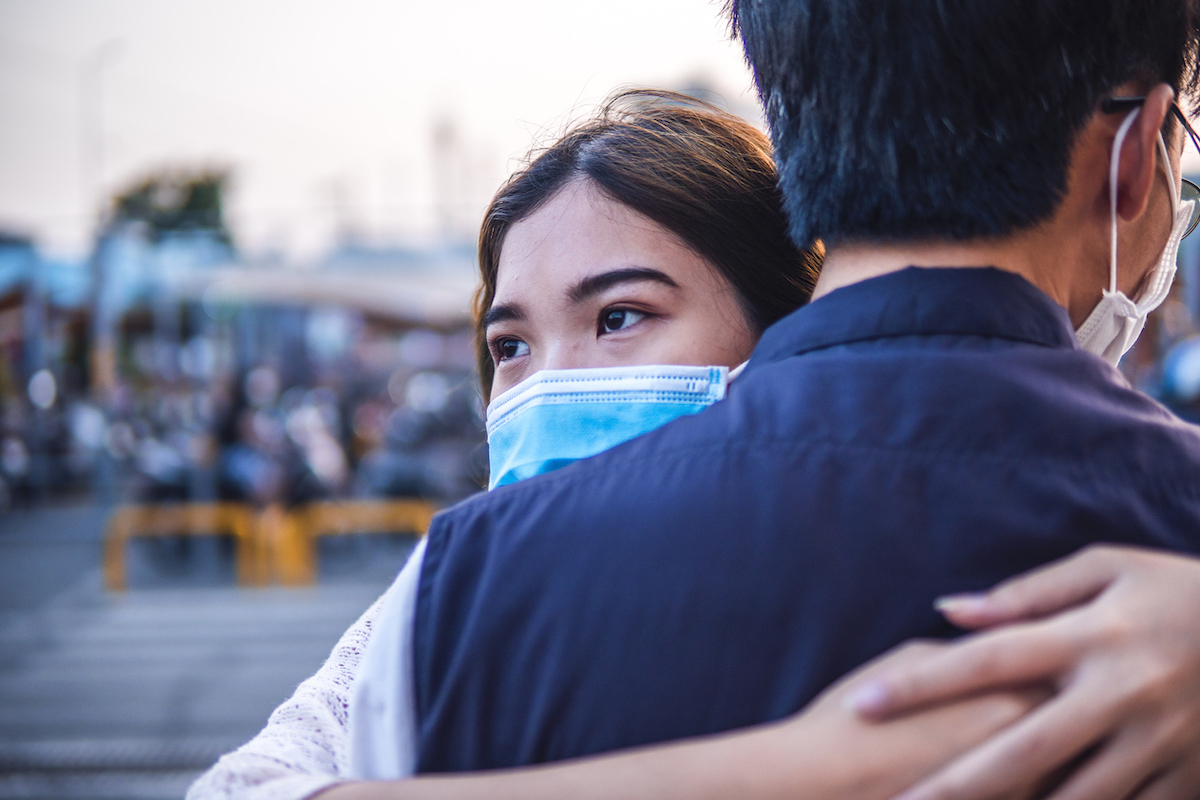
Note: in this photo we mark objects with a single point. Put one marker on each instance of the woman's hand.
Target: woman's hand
(862, 759)
(827, 752)
(1123, 650)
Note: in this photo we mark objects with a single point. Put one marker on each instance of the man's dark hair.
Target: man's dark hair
(903, 120)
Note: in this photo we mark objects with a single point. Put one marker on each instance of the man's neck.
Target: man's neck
(854, 262)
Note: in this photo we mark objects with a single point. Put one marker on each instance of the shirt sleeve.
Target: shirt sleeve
(304, 747)
(383, 712)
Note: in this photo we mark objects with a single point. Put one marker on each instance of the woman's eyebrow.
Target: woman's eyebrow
(595, 284)
(504, 313)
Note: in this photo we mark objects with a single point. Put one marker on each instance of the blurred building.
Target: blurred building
(167, 367)
(1166, 362)
(42, 355)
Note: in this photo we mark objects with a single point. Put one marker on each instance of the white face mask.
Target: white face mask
(1116, 322)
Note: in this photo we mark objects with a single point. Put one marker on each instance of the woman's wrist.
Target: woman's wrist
(765, 762)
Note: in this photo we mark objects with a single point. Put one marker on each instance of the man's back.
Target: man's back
(926, 432)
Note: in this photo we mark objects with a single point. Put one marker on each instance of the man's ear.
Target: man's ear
(1139, 153)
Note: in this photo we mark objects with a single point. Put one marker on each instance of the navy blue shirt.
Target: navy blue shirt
(925, 432)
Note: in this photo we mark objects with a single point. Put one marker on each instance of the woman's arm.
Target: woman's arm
(1123, 647)
(825, 753)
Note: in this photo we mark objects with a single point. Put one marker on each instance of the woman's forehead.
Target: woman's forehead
(581, 231)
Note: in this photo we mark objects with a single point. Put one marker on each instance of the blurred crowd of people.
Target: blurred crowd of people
(324, 405)
(1165, 363)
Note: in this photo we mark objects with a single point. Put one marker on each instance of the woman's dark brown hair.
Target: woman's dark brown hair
(703, 174)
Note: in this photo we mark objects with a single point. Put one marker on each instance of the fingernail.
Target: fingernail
(953, 603)
(870, 698)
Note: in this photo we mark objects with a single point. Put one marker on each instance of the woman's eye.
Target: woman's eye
(618, 319)
(511, 348)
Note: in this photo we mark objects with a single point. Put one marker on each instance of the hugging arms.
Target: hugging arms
(1099, 651)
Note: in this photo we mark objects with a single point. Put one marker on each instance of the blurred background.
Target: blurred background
(236, 262)
(236, 376)
(237, 238)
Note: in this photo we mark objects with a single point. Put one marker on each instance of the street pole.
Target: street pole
(91, 119)
(102, 345)
(102, 356)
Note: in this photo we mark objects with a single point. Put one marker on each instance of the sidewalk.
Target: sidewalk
(132, 696)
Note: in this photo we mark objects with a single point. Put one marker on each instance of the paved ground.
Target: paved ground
(131, 696)
(45, 552)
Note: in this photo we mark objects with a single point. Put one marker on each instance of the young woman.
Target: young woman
(652, 234)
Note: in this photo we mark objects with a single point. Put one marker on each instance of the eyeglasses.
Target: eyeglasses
(1188, 190)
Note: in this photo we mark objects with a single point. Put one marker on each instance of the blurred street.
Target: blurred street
(132, 695)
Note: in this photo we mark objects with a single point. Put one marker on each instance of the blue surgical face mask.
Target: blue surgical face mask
(559, 416)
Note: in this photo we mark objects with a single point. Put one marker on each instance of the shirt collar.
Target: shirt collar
(922, 301)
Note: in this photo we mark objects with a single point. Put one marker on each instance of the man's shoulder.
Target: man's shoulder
(969, 395)
(1054, 409)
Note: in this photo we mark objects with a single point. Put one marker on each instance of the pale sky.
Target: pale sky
(323, 110)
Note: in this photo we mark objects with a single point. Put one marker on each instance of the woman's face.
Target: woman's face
(587, 282)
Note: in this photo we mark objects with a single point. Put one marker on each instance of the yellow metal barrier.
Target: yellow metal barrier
(187, 519)
(291, 539)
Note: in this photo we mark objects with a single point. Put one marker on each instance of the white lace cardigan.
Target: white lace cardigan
(309, 741)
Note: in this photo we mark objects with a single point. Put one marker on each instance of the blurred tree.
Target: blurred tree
(176, 201)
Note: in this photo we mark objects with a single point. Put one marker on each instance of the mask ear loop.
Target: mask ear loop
(1113, 173)
(1166, 160)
